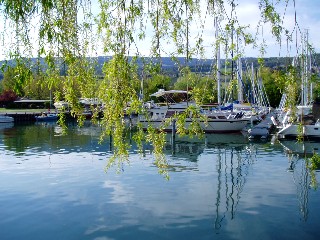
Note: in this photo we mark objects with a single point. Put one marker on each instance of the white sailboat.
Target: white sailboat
(216, 122)
(210, 121)
(305, 127)
(292, 130)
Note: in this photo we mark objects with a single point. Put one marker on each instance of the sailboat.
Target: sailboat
(293, 130)
(210, 121)
(253, 102)
(305, 126)
(216, 121)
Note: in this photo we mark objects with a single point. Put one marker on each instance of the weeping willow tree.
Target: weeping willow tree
(67, 33)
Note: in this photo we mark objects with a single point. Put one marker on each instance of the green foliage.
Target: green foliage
(269, 14)
(315, 162)
(116, 91)
(203, 88)
(66, 31)
(300, 132)
(155, 82)
(274, 83)
(314, 165)
(292, 81)
(194, 129)
(17, 77)
(316, 87)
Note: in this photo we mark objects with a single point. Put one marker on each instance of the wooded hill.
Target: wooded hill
(172, 67)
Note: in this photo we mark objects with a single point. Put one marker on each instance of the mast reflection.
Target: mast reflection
(232, 154)
(299, 154)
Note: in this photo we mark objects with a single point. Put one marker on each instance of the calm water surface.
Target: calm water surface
(223, 187)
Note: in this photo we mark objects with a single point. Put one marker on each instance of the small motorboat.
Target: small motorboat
(6, 119)
(47, 117)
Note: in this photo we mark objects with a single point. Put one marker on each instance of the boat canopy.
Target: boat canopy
(163, 92)
(172, 96)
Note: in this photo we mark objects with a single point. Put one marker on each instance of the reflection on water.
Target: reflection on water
(220, 186)
(299, 154)
(233, 159)
(47, 136)
(305, 148)
(4, 126)
(232, 170)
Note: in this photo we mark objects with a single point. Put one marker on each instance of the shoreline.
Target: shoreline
(4, 111)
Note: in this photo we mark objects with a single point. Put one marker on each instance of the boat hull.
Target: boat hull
(49, 117)
(6, 119)
(212, 126)
(292, 131)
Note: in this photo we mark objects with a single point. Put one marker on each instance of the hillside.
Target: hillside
(172, 67)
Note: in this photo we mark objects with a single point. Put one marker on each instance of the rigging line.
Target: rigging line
(297, 27)
(284, 14)
(236, 20)
(205, 19)
(199, 62)
(285, 10)
(225, 12)
(233, 12)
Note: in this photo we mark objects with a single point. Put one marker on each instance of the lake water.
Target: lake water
(55, 186)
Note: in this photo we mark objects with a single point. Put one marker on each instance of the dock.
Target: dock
(23, 117)
(263, 129)
(27, 115)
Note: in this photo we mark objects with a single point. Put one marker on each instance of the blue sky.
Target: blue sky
(308, 18)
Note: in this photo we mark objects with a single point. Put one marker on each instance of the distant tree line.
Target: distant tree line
(19, 81)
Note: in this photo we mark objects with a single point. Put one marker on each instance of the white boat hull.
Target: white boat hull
(312, 131)
(212, 126)
(6, 119)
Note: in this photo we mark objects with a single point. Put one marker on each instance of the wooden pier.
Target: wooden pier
(23, 117)
(29, 116)
(262, 130)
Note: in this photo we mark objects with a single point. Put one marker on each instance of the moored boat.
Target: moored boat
(47, 117)
(296, 130)
(6, 119)
(210, 121)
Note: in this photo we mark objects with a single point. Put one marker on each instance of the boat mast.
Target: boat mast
(308, 68)
(253, 86)
(218, 61)
(187, 50)
(306, 86)
(239, 75)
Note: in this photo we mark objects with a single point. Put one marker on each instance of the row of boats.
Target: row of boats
(258, 122)
(211, 119)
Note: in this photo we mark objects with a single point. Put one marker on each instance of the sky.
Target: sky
(248, 14)
(308, 20)
(307, 17)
